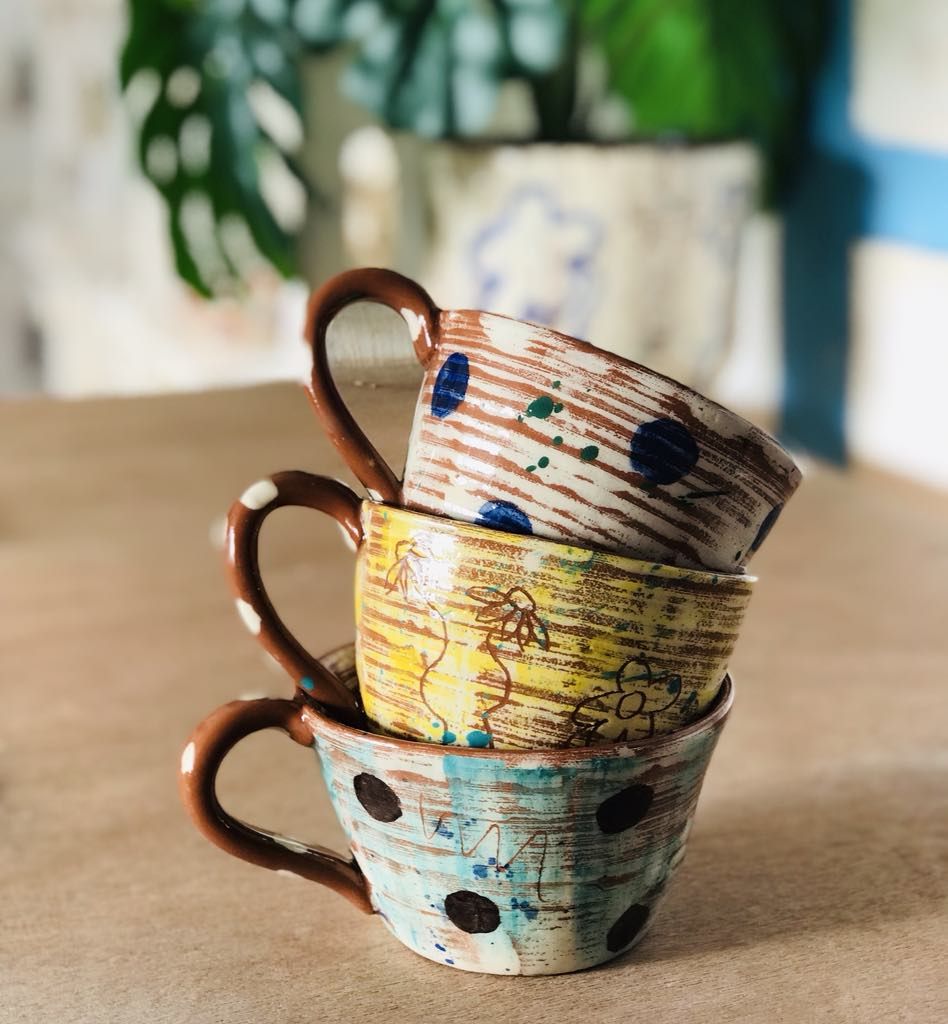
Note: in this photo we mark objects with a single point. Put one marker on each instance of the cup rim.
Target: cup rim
(770, 443)
(641, 566)
(714, 715)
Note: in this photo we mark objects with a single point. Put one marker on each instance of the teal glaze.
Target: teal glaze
(520, 835)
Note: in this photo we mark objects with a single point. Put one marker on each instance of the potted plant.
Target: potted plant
(591, 163)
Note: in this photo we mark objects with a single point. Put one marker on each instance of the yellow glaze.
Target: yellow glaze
(478, 637)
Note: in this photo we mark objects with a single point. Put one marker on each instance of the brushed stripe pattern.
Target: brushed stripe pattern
(548, 424)
(477, 637)
(537, 864)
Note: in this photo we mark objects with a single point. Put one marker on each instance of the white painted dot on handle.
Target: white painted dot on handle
(187, 759)
(259, 494)
(414, 322)
(250, 618)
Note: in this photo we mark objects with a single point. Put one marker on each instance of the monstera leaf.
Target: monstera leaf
(200, 141)
(698, 69)
(434, 67)
(705, 69)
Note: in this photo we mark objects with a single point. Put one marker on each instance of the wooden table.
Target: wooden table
(814, 889)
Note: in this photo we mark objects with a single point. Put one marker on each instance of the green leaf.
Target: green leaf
(709, 69)
(225, 47)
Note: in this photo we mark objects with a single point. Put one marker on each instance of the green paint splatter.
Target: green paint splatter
(520, 419)
(530, 469)
(543, 462)
(559, 440)
(558, 407)
(541, 407)
(589, 453)
(555, 384)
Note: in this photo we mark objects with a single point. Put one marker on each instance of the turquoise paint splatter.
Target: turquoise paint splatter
(448, 738)
(307, 683)
(541, 407)
(529, 912)
(477, 738)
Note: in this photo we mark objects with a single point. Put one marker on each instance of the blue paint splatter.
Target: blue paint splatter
(442, 830)
(674, 685)
(442, 948)
(663, 451)
(766, 526)
(307, 683)
(477, 738)
(491, 860)
(690, 701)
(480, 870)
(450, 387)
(447, 961)
(529, 912)
(503, 515)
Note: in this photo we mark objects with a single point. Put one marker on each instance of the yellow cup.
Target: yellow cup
(471, 636)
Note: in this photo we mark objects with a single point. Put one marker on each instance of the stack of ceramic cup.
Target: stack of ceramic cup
(546, 605)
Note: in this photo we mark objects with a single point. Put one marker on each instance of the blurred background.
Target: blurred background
(752, 197)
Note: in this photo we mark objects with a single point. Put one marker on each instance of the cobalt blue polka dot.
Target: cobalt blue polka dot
(766, 526)
(503, 515)
(663, 451)
(450, 387)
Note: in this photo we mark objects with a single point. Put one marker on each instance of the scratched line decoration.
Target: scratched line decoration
(472, 637)
(516, 863)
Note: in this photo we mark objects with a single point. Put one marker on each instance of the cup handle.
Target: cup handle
(209, 744)
(244, 520)
(415, 305)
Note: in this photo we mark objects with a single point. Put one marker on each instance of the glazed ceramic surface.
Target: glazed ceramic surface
(523, 429)
(506, 863)
(470, 636)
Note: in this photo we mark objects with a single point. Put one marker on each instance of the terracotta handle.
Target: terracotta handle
(210, 743)
(415, 305)
(244, 520)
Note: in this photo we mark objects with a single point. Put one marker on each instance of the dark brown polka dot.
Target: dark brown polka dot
(627, 928)
(624, 809)
(378, 798)
(471, 912)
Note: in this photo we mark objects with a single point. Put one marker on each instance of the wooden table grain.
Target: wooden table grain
(815, 885)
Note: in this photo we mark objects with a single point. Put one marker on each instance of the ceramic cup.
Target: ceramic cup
(521, 428)
(476, 637)
(521, 862)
